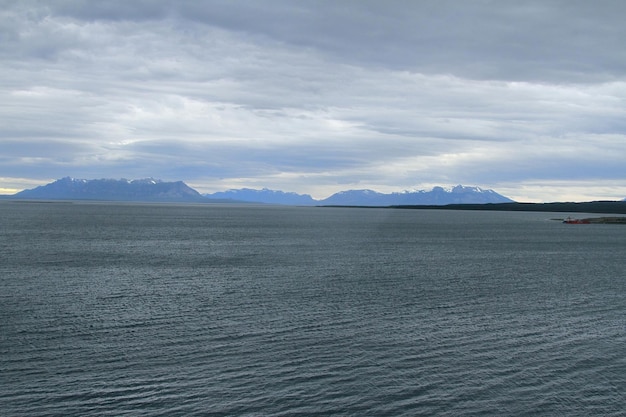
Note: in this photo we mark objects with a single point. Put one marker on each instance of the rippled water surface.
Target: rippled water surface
(130, 309)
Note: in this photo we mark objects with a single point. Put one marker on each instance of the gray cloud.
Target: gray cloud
(533, 40)
(314, 96)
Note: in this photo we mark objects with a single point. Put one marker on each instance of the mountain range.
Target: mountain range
(152, 190)
(437, 196)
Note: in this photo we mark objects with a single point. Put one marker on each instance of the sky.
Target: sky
(527, 98)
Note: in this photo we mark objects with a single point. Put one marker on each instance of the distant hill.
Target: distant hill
(147, 189)
(265, 196)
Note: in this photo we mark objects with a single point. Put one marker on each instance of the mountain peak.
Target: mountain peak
(145, 181)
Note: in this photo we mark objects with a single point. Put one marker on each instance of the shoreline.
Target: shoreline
(595, 220)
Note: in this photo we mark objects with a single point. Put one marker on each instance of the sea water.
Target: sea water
(165, 310)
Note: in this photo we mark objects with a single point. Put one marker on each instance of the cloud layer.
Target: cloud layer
(318, 96)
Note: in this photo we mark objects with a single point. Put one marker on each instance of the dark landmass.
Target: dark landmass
(596, 220)
(607, 220)
(612, 207)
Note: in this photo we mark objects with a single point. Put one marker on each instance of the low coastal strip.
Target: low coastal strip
(600, 207)
(595, 220)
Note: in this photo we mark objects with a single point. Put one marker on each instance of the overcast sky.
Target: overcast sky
(524, 97)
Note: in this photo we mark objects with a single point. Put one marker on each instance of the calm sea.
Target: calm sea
(166, 310)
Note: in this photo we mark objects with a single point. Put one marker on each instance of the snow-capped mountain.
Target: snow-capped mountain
(437, 196)
(147, 189)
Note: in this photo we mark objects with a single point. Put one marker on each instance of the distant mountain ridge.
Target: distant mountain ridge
(150, 189)
(437, 196)
(265, 195)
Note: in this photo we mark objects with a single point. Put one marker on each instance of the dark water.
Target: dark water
(113, 309)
